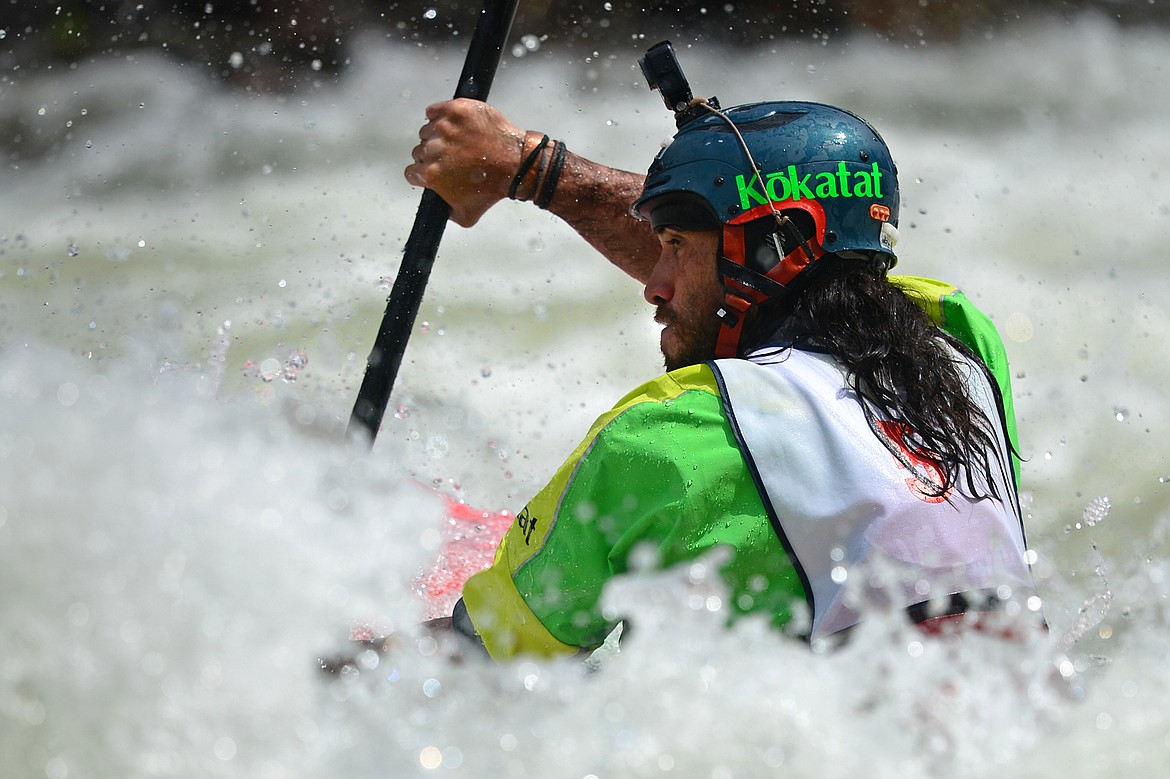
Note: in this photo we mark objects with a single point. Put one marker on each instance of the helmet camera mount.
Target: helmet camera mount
(663, 73)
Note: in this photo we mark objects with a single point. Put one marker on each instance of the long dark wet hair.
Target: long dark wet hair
(897, 360)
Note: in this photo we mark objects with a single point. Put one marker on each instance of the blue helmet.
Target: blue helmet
(787, 183)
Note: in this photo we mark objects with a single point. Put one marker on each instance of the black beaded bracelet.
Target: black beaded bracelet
(548, 187)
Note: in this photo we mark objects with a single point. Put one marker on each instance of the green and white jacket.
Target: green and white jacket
(772, 457)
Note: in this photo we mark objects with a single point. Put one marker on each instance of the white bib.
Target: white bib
(847, 509)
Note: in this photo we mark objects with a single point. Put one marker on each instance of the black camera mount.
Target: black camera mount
(662, 71)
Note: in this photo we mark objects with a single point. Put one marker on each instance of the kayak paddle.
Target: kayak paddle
(479, 69)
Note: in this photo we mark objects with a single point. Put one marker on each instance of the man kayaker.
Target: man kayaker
(816, 418)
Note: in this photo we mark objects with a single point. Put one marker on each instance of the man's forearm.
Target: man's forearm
(595, 201)
(470, 154)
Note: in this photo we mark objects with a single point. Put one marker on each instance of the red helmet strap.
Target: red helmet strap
(744, 287)
(733, 314)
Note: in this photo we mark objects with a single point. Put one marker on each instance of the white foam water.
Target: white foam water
(189, 283)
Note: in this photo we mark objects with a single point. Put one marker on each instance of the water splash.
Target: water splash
(217, 359)
(271, 369)
(164, 610)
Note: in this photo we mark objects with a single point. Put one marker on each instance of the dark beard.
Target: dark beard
(695, 333)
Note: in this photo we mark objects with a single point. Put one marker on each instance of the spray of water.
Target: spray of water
(181, 540)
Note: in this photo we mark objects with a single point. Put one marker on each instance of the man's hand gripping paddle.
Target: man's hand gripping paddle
(479, 69)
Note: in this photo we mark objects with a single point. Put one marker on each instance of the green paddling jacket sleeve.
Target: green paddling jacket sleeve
(660, 468)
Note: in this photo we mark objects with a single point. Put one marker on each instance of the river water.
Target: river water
(190, 281)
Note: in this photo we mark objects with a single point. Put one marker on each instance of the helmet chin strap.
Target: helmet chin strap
(744, 288)
(732, 314)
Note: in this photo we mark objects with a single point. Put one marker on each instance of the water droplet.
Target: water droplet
(225, 748)
(141, 243)
(430, 13)
(269, 369)
(68, 394)
(293, 364)
(1120, 414)
(430, 758)
(485, 372)
(1097, 510)
(73, 251)
(236, 60)
(839, 574)
(56, 767)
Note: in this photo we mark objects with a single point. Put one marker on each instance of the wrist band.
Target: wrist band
(548, 187)
(540, 170)
(527, 164)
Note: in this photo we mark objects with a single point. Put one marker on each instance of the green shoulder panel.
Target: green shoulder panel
(953, 312)
(661, 469)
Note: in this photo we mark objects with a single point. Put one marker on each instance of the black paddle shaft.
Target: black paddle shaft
(479, 69)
